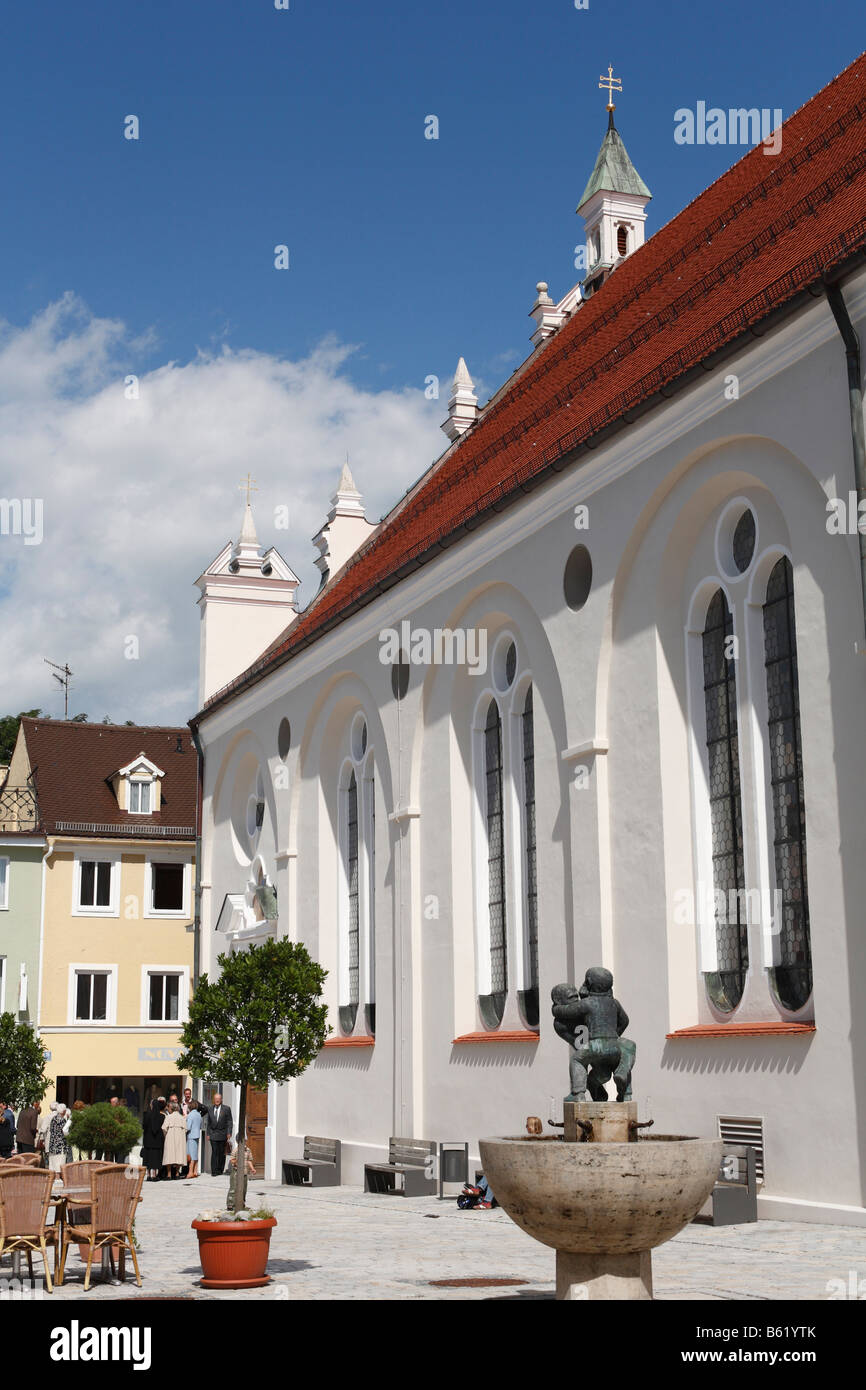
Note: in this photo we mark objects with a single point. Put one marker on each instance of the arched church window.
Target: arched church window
(349, 1009)
(792, 976)
(493, 1004)
(621, 240)
(529, 999)
(370, 1006)
(725, 985)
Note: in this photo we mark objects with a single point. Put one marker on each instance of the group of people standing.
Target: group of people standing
(36, 1131)
(173, 1131)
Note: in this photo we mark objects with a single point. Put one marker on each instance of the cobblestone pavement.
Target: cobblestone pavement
(342, 1243)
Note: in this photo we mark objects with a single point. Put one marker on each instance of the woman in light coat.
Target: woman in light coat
(174, 1129)
(193, 1137)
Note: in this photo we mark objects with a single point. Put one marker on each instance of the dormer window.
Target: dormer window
(138, 787)
(139, 797)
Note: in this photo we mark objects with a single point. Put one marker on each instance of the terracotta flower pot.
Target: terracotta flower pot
(234, 1254)
(82, 1251)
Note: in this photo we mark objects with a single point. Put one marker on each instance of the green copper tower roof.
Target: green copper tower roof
(614, 171)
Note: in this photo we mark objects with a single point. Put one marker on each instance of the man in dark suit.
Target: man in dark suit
(219, 1128)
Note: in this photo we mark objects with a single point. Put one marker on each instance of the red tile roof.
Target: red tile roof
(757, 238)
(73, 763)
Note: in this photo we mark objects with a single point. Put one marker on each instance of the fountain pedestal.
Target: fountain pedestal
(589, 1277)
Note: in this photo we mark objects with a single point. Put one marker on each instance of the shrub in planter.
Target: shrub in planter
(261, 1020)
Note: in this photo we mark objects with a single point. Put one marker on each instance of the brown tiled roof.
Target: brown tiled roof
(756, 239)
(72, 765)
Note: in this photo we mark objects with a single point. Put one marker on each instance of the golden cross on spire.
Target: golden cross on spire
(248, 486)
(613, 84)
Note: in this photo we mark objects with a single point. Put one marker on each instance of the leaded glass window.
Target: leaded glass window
(725, 986)
(370, 1008)
(529, 1000)
(493, 1004)
(792, 977)
(349, 1010)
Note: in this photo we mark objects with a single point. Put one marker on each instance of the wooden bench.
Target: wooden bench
(320, 1166)
(413, 1160)
(735, 1195)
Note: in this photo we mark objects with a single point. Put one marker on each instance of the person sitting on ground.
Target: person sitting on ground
(480, 1196)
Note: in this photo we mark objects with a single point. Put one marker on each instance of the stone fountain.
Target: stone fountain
(602, 1195)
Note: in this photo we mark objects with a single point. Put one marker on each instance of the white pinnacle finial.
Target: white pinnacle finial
(347, 482)
(463, 405)
(248, 529)
(461, 376)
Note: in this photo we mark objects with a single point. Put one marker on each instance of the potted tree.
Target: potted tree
(261, 1020)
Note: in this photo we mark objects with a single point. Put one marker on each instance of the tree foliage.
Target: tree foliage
(104, 1129)
(261, 1020)
(9, 731)
(22, 1063)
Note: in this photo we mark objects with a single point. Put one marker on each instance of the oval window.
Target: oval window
(577, 580)
(284, 739)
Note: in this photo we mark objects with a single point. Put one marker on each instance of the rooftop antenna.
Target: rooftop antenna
(62, 679)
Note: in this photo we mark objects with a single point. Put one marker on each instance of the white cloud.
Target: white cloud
(140, 495)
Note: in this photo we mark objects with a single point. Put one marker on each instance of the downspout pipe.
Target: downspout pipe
(855, 401)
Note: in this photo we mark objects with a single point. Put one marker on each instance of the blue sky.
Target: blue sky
(307, 127)
(303, 127)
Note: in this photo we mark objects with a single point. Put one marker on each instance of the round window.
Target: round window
(743, 542)
(577, 579)
(504, 664)
(359, 738)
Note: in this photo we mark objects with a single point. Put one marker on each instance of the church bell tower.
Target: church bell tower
(613, 205)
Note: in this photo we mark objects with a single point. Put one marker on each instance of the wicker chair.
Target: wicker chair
(25, 1198)
(25, 1161)
(115, 1192)
(78, 1175)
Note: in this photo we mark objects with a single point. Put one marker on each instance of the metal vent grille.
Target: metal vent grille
(745, 1129)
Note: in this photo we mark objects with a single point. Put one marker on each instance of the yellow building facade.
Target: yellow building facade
(115, 983)
(117, 805)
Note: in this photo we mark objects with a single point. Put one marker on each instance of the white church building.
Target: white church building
(593, 693)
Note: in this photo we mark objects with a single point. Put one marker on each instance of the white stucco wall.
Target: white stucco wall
(610, 680)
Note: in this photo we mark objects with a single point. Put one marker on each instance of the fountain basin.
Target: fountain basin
(602, 1207)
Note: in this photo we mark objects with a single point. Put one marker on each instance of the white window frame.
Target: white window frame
(363, 764)
(174, 914)
(3, 964)
(109, 856)
(172, 1025)
(87, 967)
(5, 863)
(140, 782)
